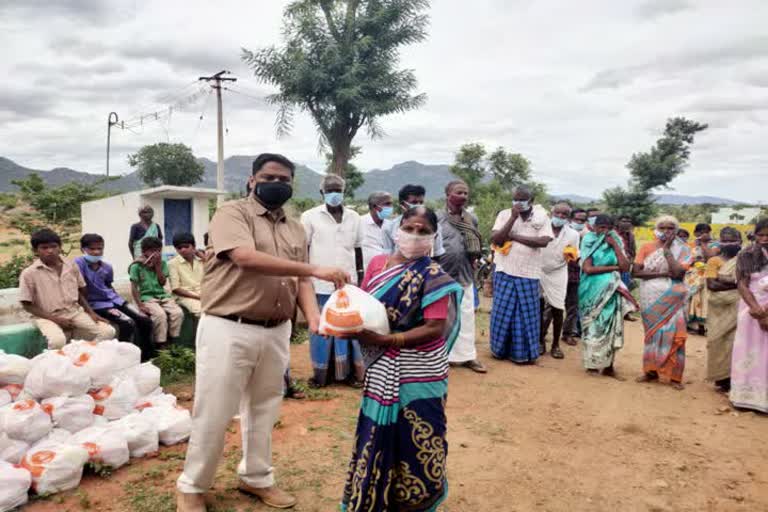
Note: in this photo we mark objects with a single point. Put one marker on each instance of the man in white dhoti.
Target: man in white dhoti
(554, 277)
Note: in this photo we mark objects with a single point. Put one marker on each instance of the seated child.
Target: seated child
(53, 291)
(148, 276)
(106, 302)
(186, 273)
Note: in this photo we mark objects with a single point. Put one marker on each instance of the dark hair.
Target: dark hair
(422, 211)
(625, 217)
(90, 238)
(682, 231)
(411, 190)
(44, 236)
(272, 157)
(593, 209)
(702, 226)
(728, 230)
(453, 183)
(761, 225)
(183, 239)
(151, 242)
(205, 239)
(578, 210)
(604, 220)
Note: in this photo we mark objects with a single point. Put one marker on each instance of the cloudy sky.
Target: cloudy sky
(577, 87)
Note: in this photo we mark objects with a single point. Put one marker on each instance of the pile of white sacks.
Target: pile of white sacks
(88, 402)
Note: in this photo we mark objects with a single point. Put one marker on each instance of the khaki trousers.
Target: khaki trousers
(167, 318)
(238, 367)
(191, 305)
(85, 328)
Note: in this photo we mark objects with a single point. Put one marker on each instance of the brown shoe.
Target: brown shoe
(271, 496)
(476, 366)
(187, 502)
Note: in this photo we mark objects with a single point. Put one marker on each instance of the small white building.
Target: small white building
(177, 209)
(735, 215)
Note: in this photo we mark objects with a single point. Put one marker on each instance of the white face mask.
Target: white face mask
(413, 246)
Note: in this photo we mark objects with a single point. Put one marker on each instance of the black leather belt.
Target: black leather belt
(248, 321)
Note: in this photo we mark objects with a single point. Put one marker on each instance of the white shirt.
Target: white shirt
(372, 238)
(332, 243)
(523, 261)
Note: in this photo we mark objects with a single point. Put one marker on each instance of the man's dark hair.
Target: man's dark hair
(728, 230)
(422, 211)
(183, 239)
(90, 238)
(604, 220)
(761, 225)
(272, 157)
(44, 236)
(151, 242)
(702, 227)
(592, 209)
(577, 210)
(411, 190)
(625, 217)
(681, 232)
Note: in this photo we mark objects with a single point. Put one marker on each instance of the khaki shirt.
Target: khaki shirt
(51, 292)
(231, 290)
(185, 275)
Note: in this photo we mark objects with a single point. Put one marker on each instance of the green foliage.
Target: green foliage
(99, 469)
(302, 204)
(167, 164)
(653, 169)
(510, 169)
(299, 336)
(339, 64)
(11, 270)
(352, 176)
(8, 201)
(469, 164)
(176, 363)
(59, 205)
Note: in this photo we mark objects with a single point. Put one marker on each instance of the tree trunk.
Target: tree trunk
(341, 149)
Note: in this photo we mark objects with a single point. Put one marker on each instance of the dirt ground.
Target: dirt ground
(546, 437)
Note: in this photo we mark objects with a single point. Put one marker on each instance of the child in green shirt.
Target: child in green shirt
(149, 274)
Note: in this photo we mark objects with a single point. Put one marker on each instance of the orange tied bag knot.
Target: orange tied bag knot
(571, 254)
(54, 466)
(504, 249)
(350, 310)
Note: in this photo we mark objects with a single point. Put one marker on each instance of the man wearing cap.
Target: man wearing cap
(255, 277)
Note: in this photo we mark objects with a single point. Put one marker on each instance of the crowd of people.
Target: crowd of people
(569, 269)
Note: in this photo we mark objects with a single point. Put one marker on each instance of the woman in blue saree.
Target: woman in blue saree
(604, 299)
(400, 451)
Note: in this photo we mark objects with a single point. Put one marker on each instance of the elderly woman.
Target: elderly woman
(399, 459)
(723, 308)
(661, 266)
(145, 228)
(749, 368)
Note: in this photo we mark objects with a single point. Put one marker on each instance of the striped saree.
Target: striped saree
(399, 458)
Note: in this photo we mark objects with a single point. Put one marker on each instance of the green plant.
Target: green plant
(10, 271)
(84, 499)
(8, 201)
(99, 469)
(299, 336)
(167, 164)
(175, 364)
(58, 204)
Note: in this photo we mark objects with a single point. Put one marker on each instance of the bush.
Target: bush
(10, 272)
(176, 363)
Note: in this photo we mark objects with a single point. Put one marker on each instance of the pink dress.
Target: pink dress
(749, 366)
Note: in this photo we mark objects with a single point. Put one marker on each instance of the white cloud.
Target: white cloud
(575, 86)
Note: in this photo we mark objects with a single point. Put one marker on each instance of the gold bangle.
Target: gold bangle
(398, 340)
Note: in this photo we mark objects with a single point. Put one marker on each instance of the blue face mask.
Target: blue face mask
(592, 221)
(91, 258)
(524, 205)
(334, 198)
(577, 226)
(660, 235)
(558, 222)
(386, 212)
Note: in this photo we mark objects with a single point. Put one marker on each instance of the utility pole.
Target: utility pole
(111, 121)
(217, 79)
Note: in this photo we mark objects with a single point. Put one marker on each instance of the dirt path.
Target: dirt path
(546, 438)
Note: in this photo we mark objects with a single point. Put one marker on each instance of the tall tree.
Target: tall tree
(167, 164)
(339, 63)
(654, 169)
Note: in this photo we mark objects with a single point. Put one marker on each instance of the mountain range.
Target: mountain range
(238, 168)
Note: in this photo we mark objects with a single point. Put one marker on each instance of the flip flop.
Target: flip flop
(556, 353)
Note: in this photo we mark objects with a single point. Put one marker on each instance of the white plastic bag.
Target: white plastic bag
(14, 486)
(5, 397)
(105, 445)
(127, 355)
(115, 400)
(54, 374)
(99, 363)
(72, 413)
(174, 424)
(54, 466)
(14, 390)
(25, 421)
(13, 368)
(156, 400)
(141, 434)
(146, 376)
(351, 310)
(12, 450)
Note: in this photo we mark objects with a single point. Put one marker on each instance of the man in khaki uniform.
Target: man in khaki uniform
(53, 291)
(255, 276)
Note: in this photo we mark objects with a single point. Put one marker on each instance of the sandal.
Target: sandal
(611, 372)
(677, 386)
(647, 377)
(570, 341)
(556, 353)
(476, 366)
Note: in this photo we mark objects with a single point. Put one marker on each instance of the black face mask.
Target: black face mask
(273, 194)
(730, 250)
